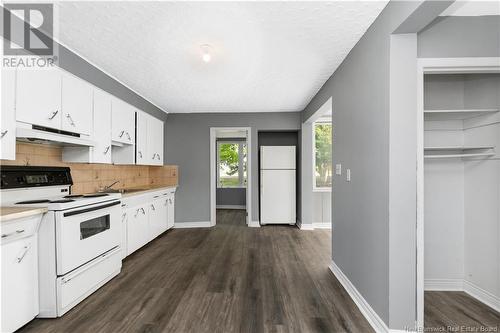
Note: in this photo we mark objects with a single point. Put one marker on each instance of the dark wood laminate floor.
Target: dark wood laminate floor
(229, 278)
(456, 311)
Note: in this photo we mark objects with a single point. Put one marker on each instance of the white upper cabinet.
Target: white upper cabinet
(123, 122)
(76, 105)
(8, 125)
(142, 152)
(102, 127)
(155, 141)
(38, 97)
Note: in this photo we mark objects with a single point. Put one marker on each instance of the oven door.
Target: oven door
(85, 233)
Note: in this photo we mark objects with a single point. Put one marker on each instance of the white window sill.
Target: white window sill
(322, 189)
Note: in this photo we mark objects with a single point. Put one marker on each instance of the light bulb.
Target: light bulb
(207, 57)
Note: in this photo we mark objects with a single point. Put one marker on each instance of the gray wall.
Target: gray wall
(460, 36)
(231, 196)
(188, 145)
(360, 91)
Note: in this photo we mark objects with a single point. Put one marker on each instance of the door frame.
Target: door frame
(213, 176)
(436, 66)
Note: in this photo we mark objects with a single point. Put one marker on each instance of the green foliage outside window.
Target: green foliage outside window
(323, 154)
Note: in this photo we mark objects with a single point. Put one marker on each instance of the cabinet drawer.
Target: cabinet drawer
(77, 285)
(20, 228)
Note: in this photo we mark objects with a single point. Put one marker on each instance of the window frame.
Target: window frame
(320, 121)
(241, 176)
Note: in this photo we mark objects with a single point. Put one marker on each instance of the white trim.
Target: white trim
(231, 207)
(304, 226)
(322, 225)
(375, 321)
(213, 174)
(198, 224)
(437, 65)
(482, 295)
(254, 224)
(444, 284)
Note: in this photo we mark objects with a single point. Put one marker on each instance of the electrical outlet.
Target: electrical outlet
(338, 169)
(348, 175)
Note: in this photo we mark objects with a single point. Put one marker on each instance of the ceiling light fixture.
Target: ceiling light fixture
(205, 48)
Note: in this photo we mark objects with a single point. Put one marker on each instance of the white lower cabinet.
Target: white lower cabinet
(146, 216)
(8, 117)
(137, 228)
(19, 291)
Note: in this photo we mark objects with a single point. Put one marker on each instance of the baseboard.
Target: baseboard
(322, 225)
(375, 321)
(198, 224)
(444, 284)
(302, 226)
(231, 207)
(254, 224)
(482, 295)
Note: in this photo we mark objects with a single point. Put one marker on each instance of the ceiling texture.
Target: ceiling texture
(266, 56)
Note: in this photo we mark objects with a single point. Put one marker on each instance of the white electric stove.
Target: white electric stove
(79, 236)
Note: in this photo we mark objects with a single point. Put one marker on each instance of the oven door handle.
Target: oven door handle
(91, 209)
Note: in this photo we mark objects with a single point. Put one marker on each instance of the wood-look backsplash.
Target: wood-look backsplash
(89, 178)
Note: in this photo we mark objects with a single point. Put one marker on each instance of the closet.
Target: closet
(462, 184)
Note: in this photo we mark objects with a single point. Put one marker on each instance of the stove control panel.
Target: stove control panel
(34, 176)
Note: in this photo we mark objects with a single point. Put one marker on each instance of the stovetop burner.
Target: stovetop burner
(95, 195)
(32, 202)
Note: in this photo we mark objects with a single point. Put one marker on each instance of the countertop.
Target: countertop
(146, 190)
(12, 213)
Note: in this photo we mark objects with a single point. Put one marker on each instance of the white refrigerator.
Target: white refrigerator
(277, 185)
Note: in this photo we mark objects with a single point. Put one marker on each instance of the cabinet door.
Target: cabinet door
(157, 218)
(155, 141)
(170, 210)
(123, 122)
(38, 97)
(124, 232)
(8, 125)
(137, 228)
(19, 293)
(102, 127)
(141, 142)
(76, 105)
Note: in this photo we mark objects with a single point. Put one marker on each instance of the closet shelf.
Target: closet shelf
(455, 148)
(457, 114)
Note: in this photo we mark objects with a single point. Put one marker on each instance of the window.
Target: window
(323, 155)
(231, 164)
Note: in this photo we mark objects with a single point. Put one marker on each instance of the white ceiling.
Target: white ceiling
(267, 56)
(473, 8)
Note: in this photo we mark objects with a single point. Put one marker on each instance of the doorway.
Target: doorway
(230, 170)
(458, 221)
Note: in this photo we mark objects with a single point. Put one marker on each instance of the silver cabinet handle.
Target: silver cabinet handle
(143, 211)
(128, 136)
(54, 113)
(158, 155)
(25, 251)
(166, 202)
(4, 132)
(140, 154)
(121, 134)
(140, 210)
(153, 207)
(68, 116)
(124, 215)
(17, 232)
(106, 150)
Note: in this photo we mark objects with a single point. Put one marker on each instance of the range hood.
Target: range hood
(38, 134)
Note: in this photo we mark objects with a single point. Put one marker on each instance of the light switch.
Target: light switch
(338, 169)
(348, 175)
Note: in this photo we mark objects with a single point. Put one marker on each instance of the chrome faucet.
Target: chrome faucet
(106, 188)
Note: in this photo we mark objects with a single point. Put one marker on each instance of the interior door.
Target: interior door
(102, 127)
(76, 105)
(38, 97)
(142, 154)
